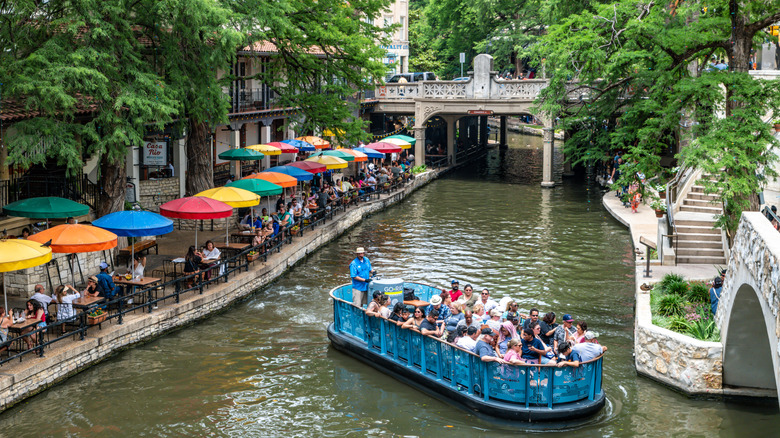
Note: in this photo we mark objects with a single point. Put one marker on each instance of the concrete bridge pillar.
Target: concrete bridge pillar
(234, 139)
(419, 146)
(548, 157)
(483, 131)
(450, 140)
(502, 133)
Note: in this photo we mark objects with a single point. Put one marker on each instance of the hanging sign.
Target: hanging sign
(481, 112)
(155, 153)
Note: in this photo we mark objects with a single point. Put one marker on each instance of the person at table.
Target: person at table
(268, 231)
(213, 254)
(247, 221)
(64, 296)
(259, 236)
(33, 311)
(264, 216)
(192, 263)
(333, 197)
(285, 218)
(25, 234)
(6, 321)
(280, 202)
(105, 283)
(361, 271)
(139, 264)
(370, 182)
(322, 200)
(40, 296)
(92, 290)
(296, 209)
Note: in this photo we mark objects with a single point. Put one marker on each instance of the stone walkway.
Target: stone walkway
(645, 224)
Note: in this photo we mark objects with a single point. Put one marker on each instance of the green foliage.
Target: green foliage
(671, 305)
(698, 292)
(679, 288)
(677, 323)
(419, 169)
(704, 329)
(669, 279)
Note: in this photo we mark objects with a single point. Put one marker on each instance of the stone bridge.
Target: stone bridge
(749, 310)
(483, 95)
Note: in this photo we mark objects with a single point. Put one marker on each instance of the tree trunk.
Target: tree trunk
(198, 162)
(113, 178)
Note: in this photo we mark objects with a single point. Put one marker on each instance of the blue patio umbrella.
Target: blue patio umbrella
(301, 145)
(299, 174)
(135, 223)
(370, 152)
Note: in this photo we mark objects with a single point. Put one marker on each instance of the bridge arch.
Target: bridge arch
(749, 309)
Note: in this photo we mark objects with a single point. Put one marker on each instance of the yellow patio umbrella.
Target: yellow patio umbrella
(329, 161)
(403, 144)
(267, 149)
(233, 197)
(17, 254)
(332, 132)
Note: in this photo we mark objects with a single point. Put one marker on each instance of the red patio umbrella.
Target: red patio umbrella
(196, 207)
(309, 166)
(286, 148)
(384, 147)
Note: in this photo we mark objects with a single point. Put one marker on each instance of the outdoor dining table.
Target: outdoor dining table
(18, 328)
(243, 236)
(237, 247)
(134, 283)
(85, 302)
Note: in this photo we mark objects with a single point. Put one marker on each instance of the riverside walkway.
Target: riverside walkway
(178, 306)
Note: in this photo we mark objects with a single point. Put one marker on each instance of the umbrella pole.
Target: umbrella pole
(5, 292)
(227, 225)
(196, 235)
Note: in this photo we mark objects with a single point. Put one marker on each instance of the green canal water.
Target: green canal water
(264, 368)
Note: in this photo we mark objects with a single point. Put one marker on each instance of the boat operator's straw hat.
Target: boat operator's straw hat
(359, 250)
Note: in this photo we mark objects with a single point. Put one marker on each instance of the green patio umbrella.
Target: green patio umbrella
(241, 154)
(49, 207)
(259, 187)
(406, 138)
(335, 153)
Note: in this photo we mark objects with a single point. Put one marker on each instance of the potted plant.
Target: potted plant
(294, 230)
(659, 207)
(252, 256)
(777, 124)
(96, 316)
(661, 189)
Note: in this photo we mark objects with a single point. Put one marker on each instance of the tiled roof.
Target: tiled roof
(270, 47)
(13, 110)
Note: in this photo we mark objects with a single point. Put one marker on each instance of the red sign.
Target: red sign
(481, 112)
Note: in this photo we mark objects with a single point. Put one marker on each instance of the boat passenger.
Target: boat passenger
(571, 357)
(468, 342)
(469, 320)
(494, 322)
(484, 348)
(579, 336)
(533, 316)
(532, 347)
(468, 299)
(375, 304)
(417, 318)
(455, 293)
(549, 353)
(590, 348)
(487, 303)
(510, 311)
(506, 333)
(398, 314)
(460, 332)
(548, 327)
(442, 311)
(563, 332)
(432, 325)
(514, 352)
(384, 308)
(479, 313)
(456, 316)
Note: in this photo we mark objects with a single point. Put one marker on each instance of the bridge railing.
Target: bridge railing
(398, 91)
(444, 89)
(537, 385)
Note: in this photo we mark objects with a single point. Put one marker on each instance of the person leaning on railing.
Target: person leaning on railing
(571, 357)
(485, 350)
(431, 325)
(6, 321)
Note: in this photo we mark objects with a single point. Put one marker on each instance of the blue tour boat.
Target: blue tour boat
(459, 377)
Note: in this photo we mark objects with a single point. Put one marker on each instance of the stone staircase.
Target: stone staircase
(698, 242)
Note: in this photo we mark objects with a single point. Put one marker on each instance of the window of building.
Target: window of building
(402, 30)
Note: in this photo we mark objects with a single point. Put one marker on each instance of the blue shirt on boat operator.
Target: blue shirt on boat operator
(360, 270)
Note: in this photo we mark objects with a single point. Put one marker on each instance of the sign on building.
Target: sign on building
(155, 153)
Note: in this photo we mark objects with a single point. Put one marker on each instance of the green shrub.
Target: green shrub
(704, 329)
(698, 292)
(678, 324)
(669, 279)
(671, 305)
(678, 288)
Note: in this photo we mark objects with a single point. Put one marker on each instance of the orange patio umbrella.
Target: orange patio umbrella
(277, 178)
(315, 141)
(76, 238)
(359, 156)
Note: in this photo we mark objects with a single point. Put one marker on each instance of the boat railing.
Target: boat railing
(525, 384)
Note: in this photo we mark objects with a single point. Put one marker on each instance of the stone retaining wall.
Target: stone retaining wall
(154, 192)
(22, 283)
(24, 379)
(682, 362)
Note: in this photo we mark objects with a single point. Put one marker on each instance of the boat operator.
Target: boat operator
(361, 272)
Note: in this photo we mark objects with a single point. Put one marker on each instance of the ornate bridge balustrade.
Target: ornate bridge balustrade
(525, 385)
